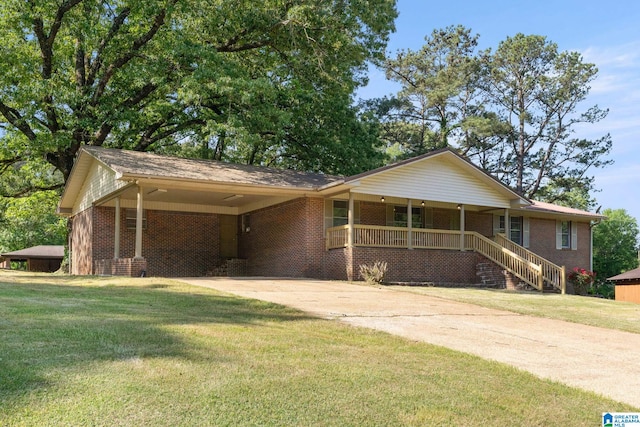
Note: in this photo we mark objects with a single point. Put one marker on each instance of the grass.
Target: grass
(119, 352)
(624, 316)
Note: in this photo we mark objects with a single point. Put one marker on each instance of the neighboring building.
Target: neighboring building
(433, 218)
(44, 258)
(627, 286)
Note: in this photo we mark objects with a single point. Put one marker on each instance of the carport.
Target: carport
(43, 258)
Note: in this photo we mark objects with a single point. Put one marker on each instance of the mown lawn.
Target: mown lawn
(624, 316)
(153, 352)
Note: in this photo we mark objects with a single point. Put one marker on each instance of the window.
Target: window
(515, 232)
(518, 229)
(131, 217)
(566, 235)
(336, 213)
(340, 212)
(565, 231)
(400, 218)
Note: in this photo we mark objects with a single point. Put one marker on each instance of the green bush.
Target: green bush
(604, 289)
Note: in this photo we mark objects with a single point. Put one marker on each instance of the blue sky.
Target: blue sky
(605, 33)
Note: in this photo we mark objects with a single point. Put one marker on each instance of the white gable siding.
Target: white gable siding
(433, 179)
(100, 182)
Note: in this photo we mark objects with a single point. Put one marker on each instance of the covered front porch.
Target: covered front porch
(482, 230)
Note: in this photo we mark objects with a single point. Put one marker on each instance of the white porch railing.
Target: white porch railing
(524, 264)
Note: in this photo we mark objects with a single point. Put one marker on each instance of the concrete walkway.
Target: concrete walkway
(596, 359)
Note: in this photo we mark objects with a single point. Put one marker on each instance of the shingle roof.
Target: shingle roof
(143, 164)
(42, 251)
(629, 275)
(557, 209)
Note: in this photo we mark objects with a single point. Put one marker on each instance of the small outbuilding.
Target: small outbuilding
(43, 258)
(627, 286)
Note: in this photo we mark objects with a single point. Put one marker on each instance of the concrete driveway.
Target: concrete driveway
(596, 359)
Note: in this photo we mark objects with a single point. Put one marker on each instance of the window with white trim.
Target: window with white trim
(131, 218)
(401, 219)
(566, 235)
(340, 212)
(515, 232)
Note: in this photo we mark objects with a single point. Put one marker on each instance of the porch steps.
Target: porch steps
(491, 275)
(233, 267)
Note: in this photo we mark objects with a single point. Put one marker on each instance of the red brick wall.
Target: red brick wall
(174, 244)
(373, 213)
(338, 264)
(442, 218)
(133, 267)
(542, 236)
(286, 240)
(479, 222)
(82, 242)
(420, 265)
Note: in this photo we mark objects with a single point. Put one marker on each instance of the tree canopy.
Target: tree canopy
(615, 244)
(239, 80)
(513, 111)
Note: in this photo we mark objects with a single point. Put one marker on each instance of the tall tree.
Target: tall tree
(536, 91)
(146, 75)
(438, 90)
(615, 244)
(31, 221)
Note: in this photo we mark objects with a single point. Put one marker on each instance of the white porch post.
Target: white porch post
(409, 225)
(138, 253)
(507, 224)
(462, 247)
(350, 221)
(116, 238)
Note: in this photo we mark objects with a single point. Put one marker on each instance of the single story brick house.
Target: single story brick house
(433, 218)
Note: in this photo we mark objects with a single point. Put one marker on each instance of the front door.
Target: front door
(228, 236)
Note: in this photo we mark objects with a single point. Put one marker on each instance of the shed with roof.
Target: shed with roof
(43, 258)
(627, 286)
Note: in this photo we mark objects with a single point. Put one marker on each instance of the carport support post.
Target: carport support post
(350, 220)
(138, 253)
(116, 238)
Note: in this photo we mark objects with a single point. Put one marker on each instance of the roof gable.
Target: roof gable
(441, 176)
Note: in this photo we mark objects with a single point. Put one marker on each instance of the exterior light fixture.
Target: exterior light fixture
(422, 203)
(459, 206)
(382, 199)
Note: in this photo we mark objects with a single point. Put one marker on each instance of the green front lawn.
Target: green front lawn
(624, 316)
(154, 352)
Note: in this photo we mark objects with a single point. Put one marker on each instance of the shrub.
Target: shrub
(373, 273)
(582, 280)
(603, 289)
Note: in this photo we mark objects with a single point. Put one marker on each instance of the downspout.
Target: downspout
(591, 225)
